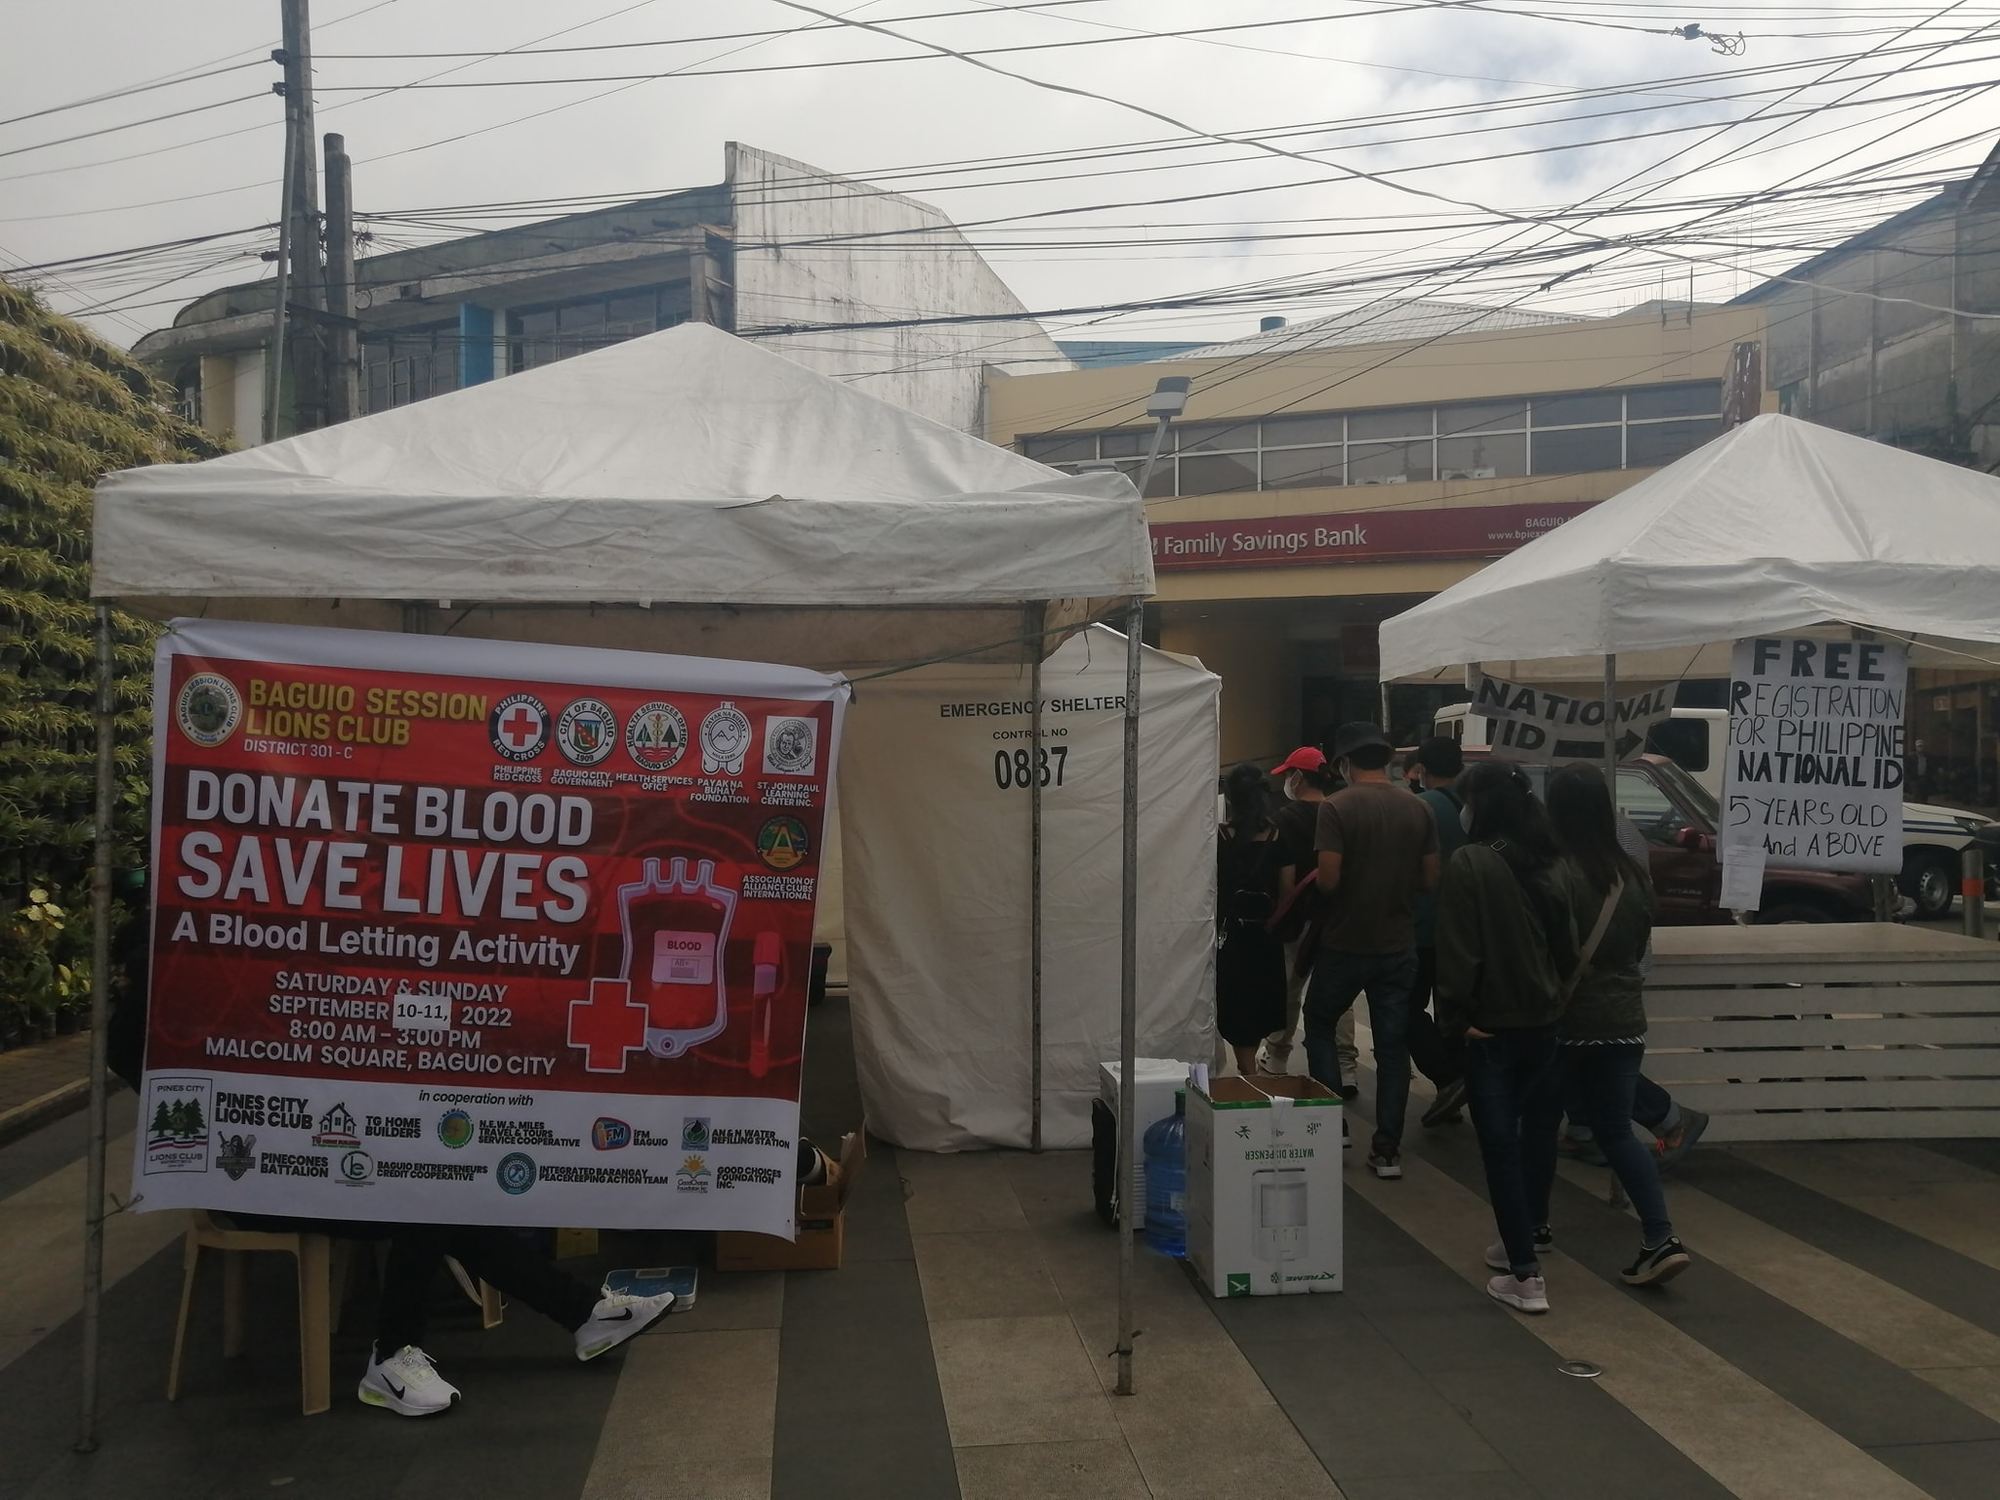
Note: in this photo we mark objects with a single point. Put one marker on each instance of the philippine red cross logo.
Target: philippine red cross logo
(519, 726)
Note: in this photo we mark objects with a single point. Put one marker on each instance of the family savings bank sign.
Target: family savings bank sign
(1355, 536)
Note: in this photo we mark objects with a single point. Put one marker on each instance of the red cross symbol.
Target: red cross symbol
(521, 726)
(607, 1025)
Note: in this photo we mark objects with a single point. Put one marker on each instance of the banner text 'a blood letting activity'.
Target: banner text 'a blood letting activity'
(479, 932)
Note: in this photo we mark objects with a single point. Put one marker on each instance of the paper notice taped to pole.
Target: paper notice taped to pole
(1814, 774)
(1536, 724)
(1742, 878)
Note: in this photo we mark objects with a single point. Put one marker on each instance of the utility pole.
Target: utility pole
(343, 337)
(307, 277)
(274, 356)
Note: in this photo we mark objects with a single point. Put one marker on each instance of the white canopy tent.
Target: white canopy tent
(681, 492)
(1778, 525)
(934, 778)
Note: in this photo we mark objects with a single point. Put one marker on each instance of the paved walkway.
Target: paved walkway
(1838, 1337)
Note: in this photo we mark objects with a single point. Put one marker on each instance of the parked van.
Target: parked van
(1697, 739)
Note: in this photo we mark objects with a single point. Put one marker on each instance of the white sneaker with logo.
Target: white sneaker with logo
(617, 1318)
(407, 1382)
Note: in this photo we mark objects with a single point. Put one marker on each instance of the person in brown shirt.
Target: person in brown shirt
(1378, 850)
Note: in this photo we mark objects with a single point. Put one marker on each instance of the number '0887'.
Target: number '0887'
(1014, 768)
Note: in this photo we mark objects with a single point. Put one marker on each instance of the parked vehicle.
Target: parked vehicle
(1678, 818)
(1697, 740)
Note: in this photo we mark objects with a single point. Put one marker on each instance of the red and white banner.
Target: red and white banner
(1356, 536)
(479, 931)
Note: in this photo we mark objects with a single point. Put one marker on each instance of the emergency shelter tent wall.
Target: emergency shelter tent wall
(933, 792)
(683, 492)
(1776, 526)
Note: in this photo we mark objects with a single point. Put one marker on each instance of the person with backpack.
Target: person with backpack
(1602, 1033)
(1306, 783)
(1249, 958)
(1506, 944)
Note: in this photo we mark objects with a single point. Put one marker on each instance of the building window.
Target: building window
(542, 335)
(1562, 433)
(409, 365)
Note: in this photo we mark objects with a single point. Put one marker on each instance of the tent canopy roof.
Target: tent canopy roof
(1778, 525)
(685, 467)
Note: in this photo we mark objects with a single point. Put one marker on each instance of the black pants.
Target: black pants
(1436, 1058)
(499, 1257)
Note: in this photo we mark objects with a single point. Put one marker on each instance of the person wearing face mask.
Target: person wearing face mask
(1507, 947)
(1378, 850)
(1306, 783)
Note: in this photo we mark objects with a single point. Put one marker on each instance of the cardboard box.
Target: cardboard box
(1154, 1080)
(821, 1220)
(1264, 1212)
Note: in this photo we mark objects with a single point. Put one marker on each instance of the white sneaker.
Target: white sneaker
(1529, 1295)
(616, 1318)
(407, 1382)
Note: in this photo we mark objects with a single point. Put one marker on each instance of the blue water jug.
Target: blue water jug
(1166, 1180)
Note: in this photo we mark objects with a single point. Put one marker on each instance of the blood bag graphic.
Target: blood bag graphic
(676, 934)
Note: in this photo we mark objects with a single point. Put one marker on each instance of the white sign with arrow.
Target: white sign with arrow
(1534, 724)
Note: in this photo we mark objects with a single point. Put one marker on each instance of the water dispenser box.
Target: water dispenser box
(1264, 1212)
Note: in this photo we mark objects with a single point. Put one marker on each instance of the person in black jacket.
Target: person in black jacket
(1250, 961)
(1602, 1033)
(1506, 940)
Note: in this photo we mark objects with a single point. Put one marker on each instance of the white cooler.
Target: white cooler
(1154, 1080)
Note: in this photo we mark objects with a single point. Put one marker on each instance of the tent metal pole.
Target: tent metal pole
(1611, 726)
(100, 1019)
(1128, 990)
(1038, 761)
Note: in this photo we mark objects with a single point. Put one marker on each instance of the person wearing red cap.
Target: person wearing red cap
(1306, 782)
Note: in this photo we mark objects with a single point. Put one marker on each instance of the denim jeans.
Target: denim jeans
(1436, 1056)
(1386, 978)
(1652, 1106)
(1506, 1076)
(1603, 1080)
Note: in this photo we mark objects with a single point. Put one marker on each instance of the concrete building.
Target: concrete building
(1892, 335)
(1328, 475)
(836, 274)
(1873, 336)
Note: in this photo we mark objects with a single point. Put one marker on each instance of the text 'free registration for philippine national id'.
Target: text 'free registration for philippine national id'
(479, 932)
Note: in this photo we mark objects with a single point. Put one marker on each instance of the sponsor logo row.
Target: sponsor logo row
(209, 708)
(587, 731)
(183, 1116)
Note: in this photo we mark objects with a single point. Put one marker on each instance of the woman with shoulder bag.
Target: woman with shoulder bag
(1249, 959)
(1506, 940)
(1602, 1034)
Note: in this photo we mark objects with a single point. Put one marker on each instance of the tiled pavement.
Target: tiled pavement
(1839, 1337)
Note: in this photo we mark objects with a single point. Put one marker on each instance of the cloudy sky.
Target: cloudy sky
(1292, 156)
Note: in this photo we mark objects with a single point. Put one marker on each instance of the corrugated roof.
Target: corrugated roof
(1382, 323)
